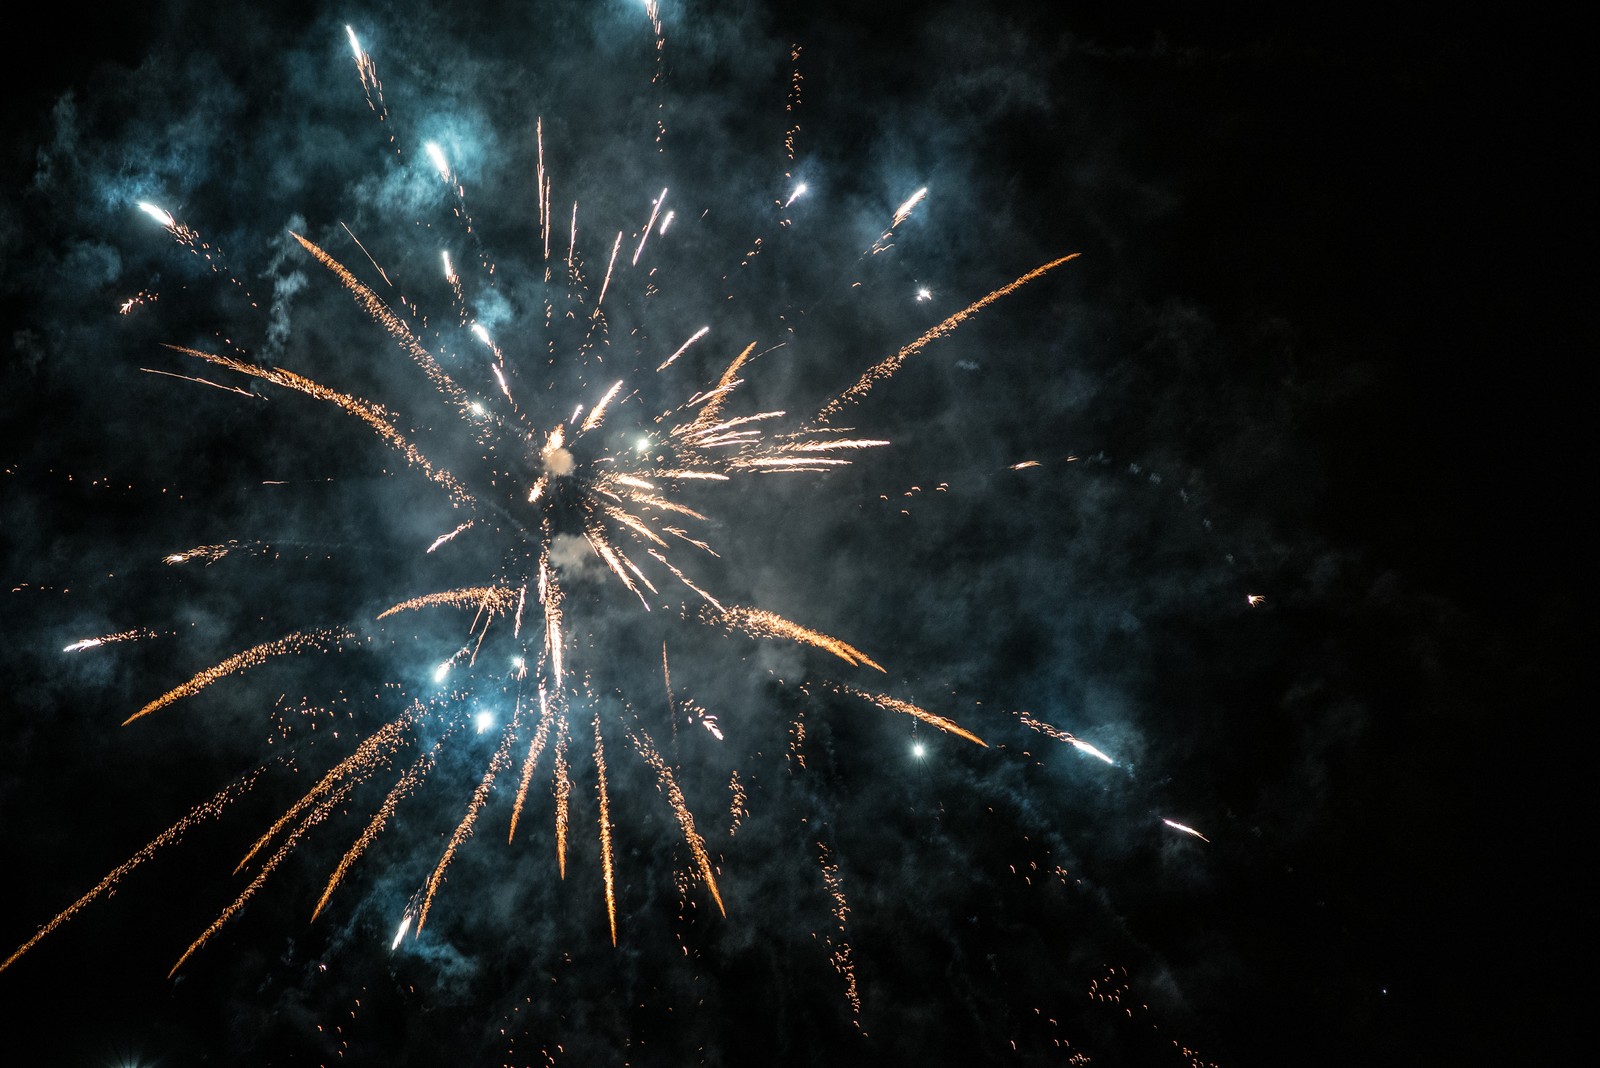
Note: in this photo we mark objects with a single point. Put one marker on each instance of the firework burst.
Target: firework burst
(551, 494)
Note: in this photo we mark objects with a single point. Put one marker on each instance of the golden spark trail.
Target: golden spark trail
(550, 597)
(891, 704)
(668, 784)
(563, 792)
(380, 313)
(293, 643)
(606, 283)
(759, 623)
(605, 829)
(371, 414)
(497, 764)
(698, 334)
(496, 599)
(210, 809)
(841, 956)
(359, 764)
(712, 601)
(107, 639)
(442, 538)
(316, 817)
(719, 396)
(408, 782)
(888, 366)
(599, 413)
(541, 734)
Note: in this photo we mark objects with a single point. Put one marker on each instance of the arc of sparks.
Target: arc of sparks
(494, 599)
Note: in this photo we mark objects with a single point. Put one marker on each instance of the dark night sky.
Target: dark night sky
(1321, 344)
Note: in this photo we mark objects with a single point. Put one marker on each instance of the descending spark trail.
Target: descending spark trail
(249, 658)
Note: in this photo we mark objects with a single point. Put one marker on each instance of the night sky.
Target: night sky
(1272, 495)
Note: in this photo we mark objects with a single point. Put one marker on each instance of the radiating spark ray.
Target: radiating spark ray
(888, 366)
(654, 210)
(319, 640)
(408, 782)
(712, 601)
(371, 414)
(495, 599)
(541, 735)
(606, 283)
(442, 538)
(598, 413)
(668, 785)
(1186, 829)
(696, 336)
(206, 810)
(1062, 736)
(380, 313)
(605, 828)
(321, 813)
(763, 624)
(563, 793)
(203, 382)
(359, 764)
(497, 764)
(375, 265)
(893, 704)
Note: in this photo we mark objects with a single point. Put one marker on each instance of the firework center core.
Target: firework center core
(558, 461)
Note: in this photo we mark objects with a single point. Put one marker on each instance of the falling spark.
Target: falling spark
(1186, 830)
(249, 658)
(903, 212)
(644, 236)
(1254, 599)
(696, 336)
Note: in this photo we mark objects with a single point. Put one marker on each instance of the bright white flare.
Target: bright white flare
(405, 925)
(1186, 830)
(1085, 747)
(355, 45)
(160, 215)
(436, 154)
(483, 721)
(441, 671)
